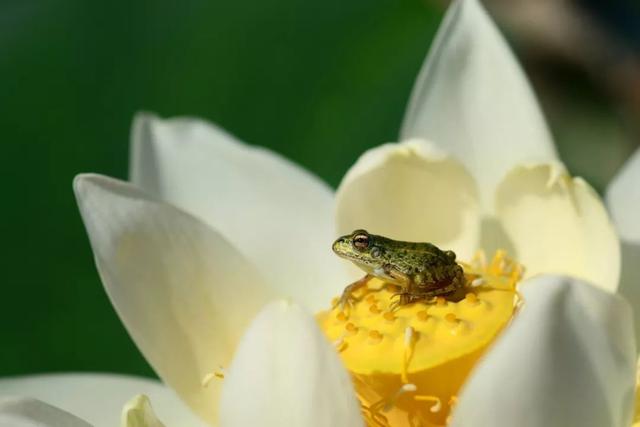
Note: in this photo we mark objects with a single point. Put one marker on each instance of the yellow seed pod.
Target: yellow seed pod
(409, 363)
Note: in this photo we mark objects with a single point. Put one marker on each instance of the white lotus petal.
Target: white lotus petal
(630, 280)
(99, 398)
(139, 413)
(623, 200)
(472, 99)
(411, 191)
(184, 293)
(274, 212)
(567, 360)
(558, 224)
(27, 412)
(286, 374)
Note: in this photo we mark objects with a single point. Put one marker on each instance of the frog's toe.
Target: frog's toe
(346, 300)
(394, 306)
(404, 298)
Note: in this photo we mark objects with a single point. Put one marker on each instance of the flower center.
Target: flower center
(409, 362)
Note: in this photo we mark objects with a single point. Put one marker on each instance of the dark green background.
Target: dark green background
(316, 81)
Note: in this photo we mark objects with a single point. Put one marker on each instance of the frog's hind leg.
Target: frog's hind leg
(347, 297)
(430, 295)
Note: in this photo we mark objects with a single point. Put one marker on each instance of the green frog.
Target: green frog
(422, 270)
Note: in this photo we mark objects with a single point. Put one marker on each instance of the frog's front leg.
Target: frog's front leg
(347, 295)
(405, 282)
(399, 278)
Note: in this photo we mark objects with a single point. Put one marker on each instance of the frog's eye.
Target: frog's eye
(361, 241)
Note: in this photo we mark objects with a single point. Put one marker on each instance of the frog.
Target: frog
(422, 271)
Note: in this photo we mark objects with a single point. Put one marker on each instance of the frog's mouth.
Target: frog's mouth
(363, 263)
(366, 267)
(342, 247)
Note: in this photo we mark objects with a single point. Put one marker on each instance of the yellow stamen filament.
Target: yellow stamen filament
(437, 406)
(408, 352)
(478, 282)
(408, 362)
(453, 401)
(206, 380)
(340, 344)
(386, 404)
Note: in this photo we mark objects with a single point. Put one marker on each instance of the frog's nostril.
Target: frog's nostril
(337, 244)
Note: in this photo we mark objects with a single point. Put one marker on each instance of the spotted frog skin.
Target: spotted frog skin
(422, 270)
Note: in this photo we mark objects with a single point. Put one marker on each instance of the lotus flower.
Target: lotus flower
(209, 230)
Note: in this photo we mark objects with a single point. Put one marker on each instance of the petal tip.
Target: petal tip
(83, 183)
(143, 116)
(86, 184)
(281, 342)
(558, 224)
(472, 98)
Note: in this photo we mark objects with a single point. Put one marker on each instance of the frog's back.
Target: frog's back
(419, 255)
(432, 270)
(428, 256)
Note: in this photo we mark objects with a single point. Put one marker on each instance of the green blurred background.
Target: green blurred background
(316, 81)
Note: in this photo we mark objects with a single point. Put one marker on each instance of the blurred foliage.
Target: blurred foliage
(316, 81)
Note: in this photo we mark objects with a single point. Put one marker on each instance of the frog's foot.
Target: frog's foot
(347, 298)
(404, 298)
(426, 298)
(395, 305)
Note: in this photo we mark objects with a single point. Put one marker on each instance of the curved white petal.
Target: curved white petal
(27, 412)
(139, 413)
(184, 294)
(567, 360)
(99, 398)
(273, 211)
(630, 279)
(411, 191)
(473, 99)
(285, 373)
(558, 224)
(623, 200)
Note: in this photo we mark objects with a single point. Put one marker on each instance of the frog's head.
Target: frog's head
(360, 247)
